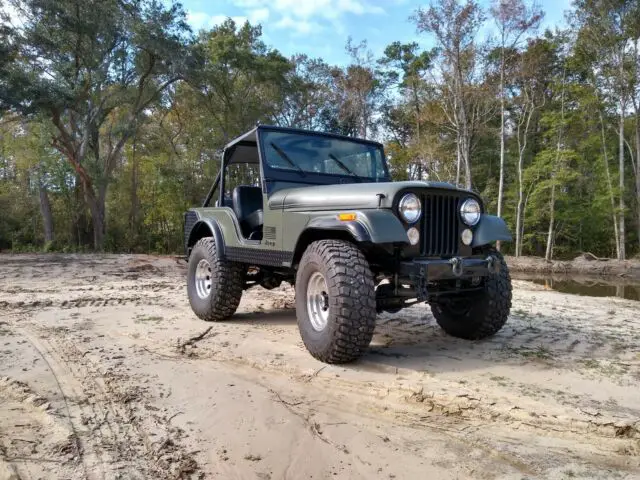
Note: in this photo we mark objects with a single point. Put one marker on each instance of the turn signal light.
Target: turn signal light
(346, 217)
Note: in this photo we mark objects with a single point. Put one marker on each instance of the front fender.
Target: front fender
(490, 229)
(374, 226)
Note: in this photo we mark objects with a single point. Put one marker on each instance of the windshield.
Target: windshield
(317, 154)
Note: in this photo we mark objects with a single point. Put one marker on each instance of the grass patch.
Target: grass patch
(590, 363)
(607, 369)
(500, 380)
(148, 319)
(539, 353)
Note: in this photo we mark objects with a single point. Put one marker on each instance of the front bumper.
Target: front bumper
(433, 270)
(432, 277)
(426, 279)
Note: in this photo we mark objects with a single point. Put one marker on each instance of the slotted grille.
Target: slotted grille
(441, 225)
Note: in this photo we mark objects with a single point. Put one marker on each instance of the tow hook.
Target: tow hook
(456, 266)
(492, 264)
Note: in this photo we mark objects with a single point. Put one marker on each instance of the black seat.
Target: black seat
(247, 205)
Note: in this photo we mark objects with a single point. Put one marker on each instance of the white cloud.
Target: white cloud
(306, 9)
(300, 17)
(298, 26)
(200, 20)
(13, 16)
(259, 15)
(197, 19)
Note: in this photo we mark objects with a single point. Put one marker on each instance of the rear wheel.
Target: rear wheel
(335, 301)
(214, 285)
(481, 315)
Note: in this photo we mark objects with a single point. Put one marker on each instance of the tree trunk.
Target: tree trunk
(45, 211)
(501, 179)
(467, 170)
(524, 212)
(134, 213)
(519, 228)
(466, 154)
(522, 148)
(638, 170)
(622, 254)
(610, 186)
(97, 208)
(458, 163)
(467, 164)
(417, 142)
(552, 204)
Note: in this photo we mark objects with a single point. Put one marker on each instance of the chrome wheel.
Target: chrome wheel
(318, 301)
(203, 279)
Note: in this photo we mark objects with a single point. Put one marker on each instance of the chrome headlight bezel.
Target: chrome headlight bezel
(410, 208)
(470, 211)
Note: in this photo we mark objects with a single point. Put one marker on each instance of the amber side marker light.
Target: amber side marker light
(346, 217)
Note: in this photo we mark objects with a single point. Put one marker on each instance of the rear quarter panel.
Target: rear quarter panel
(230, 229)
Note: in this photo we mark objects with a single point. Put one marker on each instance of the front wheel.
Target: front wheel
(480, 315)
(335, 301)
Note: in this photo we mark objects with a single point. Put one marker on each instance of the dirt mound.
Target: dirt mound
(584, 264)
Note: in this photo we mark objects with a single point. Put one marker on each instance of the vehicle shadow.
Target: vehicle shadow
(412, 340)
(416, 342)
(279, 317)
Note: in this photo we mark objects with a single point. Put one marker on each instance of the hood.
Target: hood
(349, 196)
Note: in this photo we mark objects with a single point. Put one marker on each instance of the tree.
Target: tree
(113, 117)
(606, 28)
(358, 90)
(92, 68)
(635, 98)
(513, 18)
(455, 28)
(405, 67)
(529, 84)
(307, 100)
(239, 79)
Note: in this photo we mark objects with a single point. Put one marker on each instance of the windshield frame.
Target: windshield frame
(274, 174)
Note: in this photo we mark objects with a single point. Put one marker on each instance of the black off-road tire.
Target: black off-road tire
(487, 312)
(227, 281)
(351, 301)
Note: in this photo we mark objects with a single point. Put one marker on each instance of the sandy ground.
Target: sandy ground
(99, 380)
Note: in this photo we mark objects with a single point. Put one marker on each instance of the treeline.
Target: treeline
(113, 115)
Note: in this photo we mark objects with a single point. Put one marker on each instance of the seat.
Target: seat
(247, 205)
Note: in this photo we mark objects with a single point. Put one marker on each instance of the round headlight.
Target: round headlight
(410, 208)
(470, 211)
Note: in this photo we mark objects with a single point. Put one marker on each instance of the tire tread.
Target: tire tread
(489, 316)
(355, 306)
(227, 283)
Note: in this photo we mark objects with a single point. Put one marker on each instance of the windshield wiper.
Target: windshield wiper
(343, 166)
(286, 158)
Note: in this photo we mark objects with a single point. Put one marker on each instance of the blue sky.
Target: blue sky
(320, 28)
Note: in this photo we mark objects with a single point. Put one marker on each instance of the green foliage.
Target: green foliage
(120, 130)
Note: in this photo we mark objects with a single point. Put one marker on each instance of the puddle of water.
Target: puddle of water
(586, 286)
